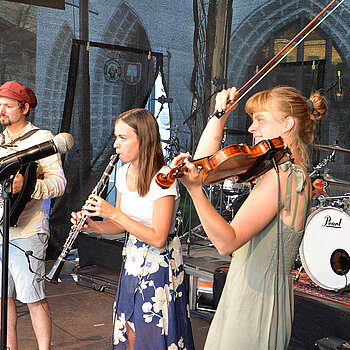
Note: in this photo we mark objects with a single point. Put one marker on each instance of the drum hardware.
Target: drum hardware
(179, 219)
(323, 163)
(324, 251)
(177, 130)
(172, 149)
(335, 201)
(300, 269)
(167, 141)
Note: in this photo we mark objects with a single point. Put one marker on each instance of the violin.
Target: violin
(244, 163)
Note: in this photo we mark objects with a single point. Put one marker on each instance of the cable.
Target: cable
(278, 242)
(50, 317)
(201, 314)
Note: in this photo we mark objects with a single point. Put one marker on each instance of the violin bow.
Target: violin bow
(251, 80)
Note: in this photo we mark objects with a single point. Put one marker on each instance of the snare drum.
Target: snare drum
(325, 249)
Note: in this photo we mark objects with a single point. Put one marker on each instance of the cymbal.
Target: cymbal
(236, 132)
(332, 180)
(331, 148)
(176, 129)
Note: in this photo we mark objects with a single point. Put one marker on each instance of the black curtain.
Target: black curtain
(121, 78)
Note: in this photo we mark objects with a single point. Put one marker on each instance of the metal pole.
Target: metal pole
(6, 194)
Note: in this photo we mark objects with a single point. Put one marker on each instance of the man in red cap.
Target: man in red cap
(30, 231)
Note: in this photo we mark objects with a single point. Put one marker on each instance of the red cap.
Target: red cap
(13, 89)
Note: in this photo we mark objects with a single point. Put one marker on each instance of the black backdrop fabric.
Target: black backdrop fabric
(121, 78)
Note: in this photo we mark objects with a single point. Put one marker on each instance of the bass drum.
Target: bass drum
(325, 249)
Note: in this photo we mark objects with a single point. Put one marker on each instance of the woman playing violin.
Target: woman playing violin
(256, 306)
(151, 310)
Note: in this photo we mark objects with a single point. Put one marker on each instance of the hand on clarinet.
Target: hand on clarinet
(88, 226)
(96, 206)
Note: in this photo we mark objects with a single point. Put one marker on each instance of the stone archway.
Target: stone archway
(256, 29)
(55, 81)
(125, 28)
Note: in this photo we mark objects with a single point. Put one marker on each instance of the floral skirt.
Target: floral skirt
(152, 298)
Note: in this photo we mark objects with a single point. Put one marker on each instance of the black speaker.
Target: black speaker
(218, 284)
(99, 251)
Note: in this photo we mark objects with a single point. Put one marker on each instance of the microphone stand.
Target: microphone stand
(160, 109)
(6, 194)
(192, 117)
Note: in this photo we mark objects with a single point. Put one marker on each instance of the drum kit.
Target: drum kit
(325, 249)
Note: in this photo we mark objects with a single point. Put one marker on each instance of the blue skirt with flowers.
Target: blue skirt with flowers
(152, 298)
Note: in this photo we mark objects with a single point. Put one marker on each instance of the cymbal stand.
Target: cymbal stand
(172, 149)
(223, 140)
(323, 163)
(296, 278)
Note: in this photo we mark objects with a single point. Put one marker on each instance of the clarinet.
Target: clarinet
(55, 271)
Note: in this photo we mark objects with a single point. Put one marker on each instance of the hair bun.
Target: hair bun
(319, 104)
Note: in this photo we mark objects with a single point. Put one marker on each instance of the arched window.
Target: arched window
(315, 64)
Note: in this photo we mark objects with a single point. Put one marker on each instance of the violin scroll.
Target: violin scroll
(164, 180)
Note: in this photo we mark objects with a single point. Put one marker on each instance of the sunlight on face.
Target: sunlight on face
(126, 143)
(264, 126)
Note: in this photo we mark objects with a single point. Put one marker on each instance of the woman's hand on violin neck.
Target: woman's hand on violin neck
(192, 180)
(222, 98)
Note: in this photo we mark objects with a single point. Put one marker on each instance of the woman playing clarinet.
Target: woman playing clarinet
(151, 309)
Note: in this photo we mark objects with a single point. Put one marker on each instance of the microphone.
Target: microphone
(162, 99)
(340, 85)
(61, 143)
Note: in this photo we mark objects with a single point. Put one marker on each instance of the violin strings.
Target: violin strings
(281, 58)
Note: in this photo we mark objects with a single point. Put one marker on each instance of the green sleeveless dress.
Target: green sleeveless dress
(256, 306)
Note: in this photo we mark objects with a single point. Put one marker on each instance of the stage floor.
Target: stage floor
(82, 317)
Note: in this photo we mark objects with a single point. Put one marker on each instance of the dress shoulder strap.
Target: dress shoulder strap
(294, 172)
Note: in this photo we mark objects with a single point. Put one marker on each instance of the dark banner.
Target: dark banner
(56, 4)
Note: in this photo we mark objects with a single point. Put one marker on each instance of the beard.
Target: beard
(6, 121)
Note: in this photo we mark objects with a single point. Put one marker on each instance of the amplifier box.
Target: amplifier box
(99, 251)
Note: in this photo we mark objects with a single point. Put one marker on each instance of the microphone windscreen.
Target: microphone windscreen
(64, 142)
